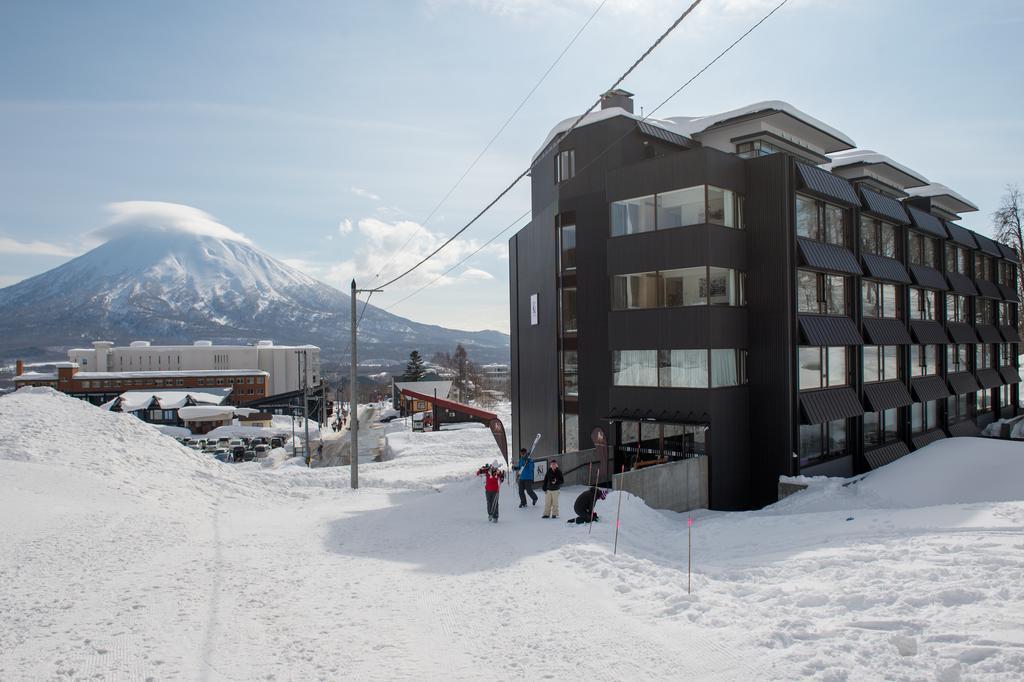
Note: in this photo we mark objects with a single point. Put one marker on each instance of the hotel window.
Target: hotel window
(635, 368)
(983, 401)
(822, 442)
(677, 208)
(681, 207)
(881, 363)
(956, 308)
(924, 304)
(957, 359)
(565, 165)
(958, 408)
(567, 248)
(880, 300)
(820, 221)
(956, 259)
(1008, 274)
(680, 368)
(568, 312)
(923, 361)
(702, 285)
(632, 216)
(683, 368)
(637, 290)
(984, 311)
(570, 374)
(822, 366)
(684, 287)
(1005, 399)
(821, 293)
(249, 379)
(724, 207)
(1007, 352)
(923, 250)
(728, 367)
(881, 427)
(1006, 311)
(982, 356)
(924, 416)
(982, 267)
(878, 238)
(754, 148)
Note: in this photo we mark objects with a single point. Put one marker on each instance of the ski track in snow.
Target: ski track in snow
(126, 556)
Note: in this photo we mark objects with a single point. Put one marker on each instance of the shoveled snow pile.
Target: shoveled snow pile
(124, 555)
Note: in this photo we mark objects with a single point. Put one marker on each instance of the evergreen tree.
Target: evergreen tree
(414, 369)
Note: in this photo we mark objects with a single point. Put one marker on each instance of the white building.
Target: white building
(283, 363)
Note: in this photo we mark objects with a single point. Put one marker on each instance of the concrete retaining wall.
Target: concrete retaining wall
(677, 486)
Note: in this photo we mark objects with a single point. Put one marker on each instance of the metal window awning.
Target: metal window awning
(1011, 375)
(883, 332)
(989, 246)
(826, 185)
(926, 222)
(928, 277)
(928, 331)
(964, 428)
(1008, 252)
(1008, 293)
(988, 289)
(829, 404)
(961, 284)
(886, 395)
(1009, 333)
(960, 235)
(929, 388)
(961, 332)
(988, 334)
(883, 206)
(888, 269)
(664, 135)
(927, 438)
(828, 330)
(961, 383)
(989, 378)
(827, 257)
(886, 454)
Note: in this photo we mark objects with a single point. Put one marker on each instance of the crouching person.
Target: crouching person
(585, 504)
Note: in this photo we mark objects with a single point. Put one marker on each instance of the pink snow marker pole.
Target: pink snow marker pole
(689, 548)
(618, 513)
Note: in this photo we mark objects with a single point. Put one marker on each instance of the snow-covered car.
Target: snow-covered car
(387, 418)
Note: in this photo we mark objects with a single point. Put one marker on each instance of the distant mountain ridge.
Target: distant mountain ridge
(176, 287)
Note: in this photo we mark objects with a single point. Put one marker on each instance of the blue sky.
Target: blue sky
(324, 131)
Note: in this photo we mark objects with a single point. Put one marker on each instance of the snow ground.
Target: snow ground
(126, 556)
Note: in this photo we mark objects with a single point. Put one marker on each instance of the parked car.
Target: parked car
(247, 456)
(261, 450)
(223, 455)
(388, 418)
(238, 451)
(276, 443)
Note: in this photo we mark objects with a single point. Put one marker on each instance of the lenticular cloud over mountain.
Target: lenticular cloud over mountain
(130, 217)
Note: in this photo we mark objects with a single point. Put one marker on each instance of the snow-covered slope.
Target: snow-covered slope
(125, 556)
(178, 286)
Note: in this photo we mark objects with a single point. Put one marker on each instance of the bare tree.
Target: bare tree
(1007, 223)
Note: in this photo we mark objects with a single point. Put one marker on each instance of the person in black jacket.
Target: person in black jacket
(552, 483)
(585, 503)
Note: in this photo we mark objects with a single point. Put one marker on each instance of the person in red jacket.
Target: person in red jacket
(493, 477)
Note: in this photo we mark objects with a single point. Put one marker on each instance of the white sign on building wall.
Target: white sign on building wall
(533, 310)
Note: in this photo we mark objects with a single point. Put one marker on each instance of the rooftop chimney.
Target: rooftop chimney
(19, 368)
(617, 98)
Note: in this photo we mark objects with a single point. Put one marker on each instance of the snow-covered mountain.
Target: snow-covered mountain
(169, 286)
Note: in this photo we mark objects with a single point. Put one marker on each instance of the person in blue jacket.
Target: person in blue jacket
(525, 468)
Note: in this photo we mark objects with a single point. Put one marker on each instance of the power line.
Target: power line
(494, 137)
(609, 146)
(544, 151)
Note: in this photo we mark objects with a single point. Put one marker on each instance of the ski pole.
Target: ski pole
(618, 511)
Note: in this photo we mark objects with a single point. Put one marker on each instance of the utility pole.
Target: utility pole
(305, 401)
(353, 412)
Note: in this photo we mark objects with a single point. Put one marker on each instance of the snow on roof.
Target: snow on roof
(36, 376)
(603, 115)
(903, 177)
(170, 400)
(695, 125)
(180, 374)
(206, 412)
(443, 388)
(945, 197)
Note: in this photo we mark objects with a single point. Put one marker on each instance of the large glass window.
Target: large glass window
(983, 402)
(923, 250)
(725, 287)
(924, 416)
(681, 207)
(821, 442)
(982, 356)
(924, 304)
(820, 221)
(635, 368)
(1006, 313)
(728, 367)
(637, 290)
(984, 311)
(878, 237)
(570, 374)
(881, 427)
(685, 286)
(754, 148)
(570, 432)
(881, 363)
(818, 292)
(923, 361)
(956, 258)
(683, 368)
(880, 300)
(569, 323)
(822, 366)
(722, 207)
(1008, 274)
(565, 165)
(957, 358)
(567, 252)
(632, 216)
(1007, 353)
(956, 308)
(958, 407)
(982, 267)
(652, 441)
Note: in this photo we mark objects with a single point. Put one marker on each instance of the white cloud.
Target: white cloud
(476, 273)
(345, 226)
(34, 248)
(365, 193)
(132, 216)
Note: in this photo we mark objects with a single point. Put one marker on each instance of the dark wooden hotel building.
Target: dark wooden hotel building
(749, 288)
